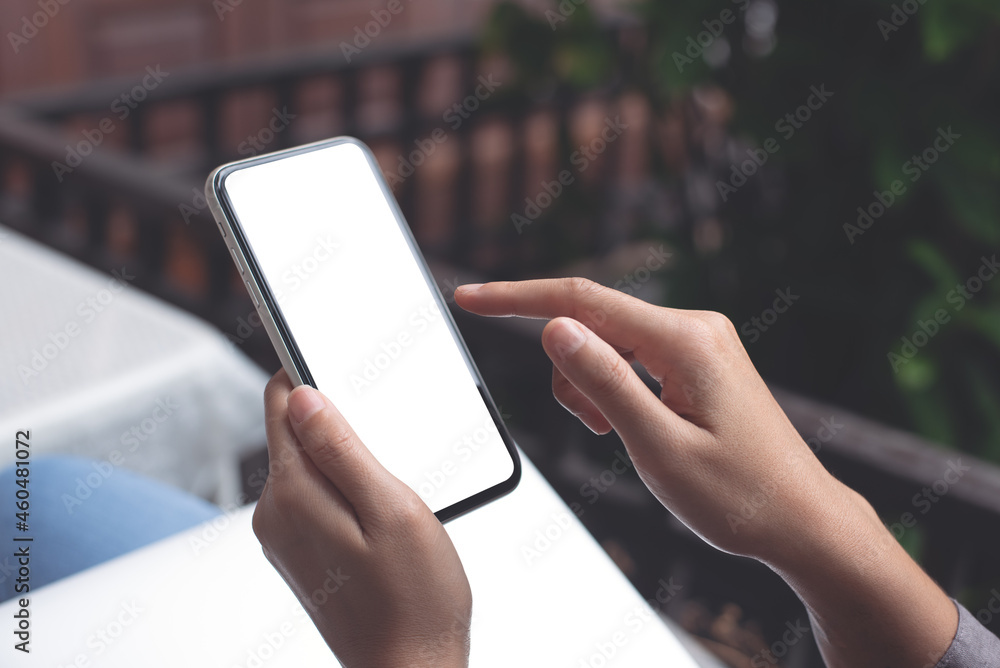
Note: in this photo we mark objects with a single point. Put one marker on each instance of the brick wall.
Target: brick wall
(58, 42)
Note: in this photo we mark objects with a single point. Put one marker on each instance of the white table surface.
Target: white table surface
(135, 363)
(208, 597)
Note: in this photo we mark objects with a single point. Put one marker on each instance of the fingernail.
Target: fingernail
(573, 338)
(304, 402)
(469, 289)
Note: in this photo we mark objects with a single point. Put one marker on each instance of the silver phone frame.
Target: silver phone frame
(278, 331)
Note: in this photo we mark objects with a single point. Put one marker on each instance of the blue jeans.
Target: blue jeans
(85, 512)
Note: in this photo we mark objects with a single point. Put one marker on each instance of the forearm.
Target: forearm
(869, 602)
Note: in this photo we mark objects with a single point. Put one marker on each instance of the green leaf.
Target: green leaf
(946, 28)
(916, 375)
(934, 263)
(912, 540)
(928, 403)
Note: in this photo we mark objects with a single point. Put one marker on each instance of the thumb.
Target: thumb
(338, 453)
(600, 373)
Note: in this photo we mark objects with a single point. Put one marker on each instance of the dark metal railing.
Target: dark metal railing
(135, 187)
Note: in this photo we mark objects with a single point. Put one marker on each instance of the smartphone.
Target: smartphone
(352, 309)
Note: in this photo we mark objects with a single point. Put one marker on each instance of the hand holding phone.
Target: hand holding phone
(374, 569)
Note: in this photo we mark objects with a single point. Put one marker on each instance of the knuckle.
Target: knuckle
(278, 510)
(711, 329)
(405, 513)
(718, 322)
(261, 522)
(411, 508)
(333, 444)
(582, 289)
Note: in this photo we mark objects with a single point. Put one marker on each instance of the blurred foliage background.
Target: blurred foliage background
(730, 71)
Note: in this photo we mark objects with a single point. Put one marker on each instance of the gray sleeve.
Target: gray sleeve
(974, 646)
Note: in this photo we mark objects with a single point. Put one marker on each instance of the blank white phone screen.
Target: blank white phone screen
(366, 322)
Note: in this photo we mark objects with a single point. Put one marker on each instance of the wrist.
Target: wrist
(832, 524)
(861, 589)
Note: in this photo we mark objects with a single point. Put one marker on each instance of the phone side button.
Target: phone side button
(253, 294)
(222, 228)
(236, 259)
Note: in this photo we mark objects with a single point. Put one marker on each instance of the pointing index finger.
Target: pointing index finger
(623, 321)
